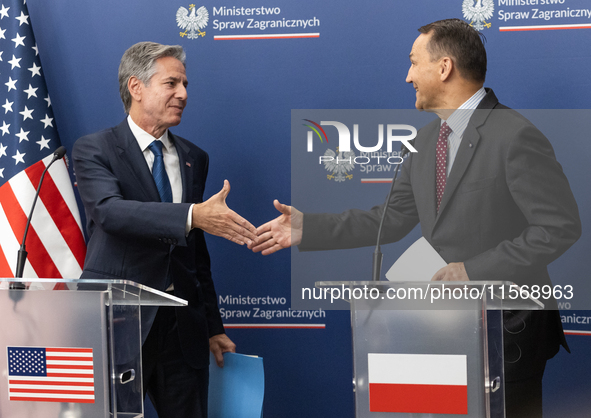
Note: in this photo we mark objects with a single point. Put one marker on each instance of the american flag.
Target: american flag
(50, 374)
(28, 138)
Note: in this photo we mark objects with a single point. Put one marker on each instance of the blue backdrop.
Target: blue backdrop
(351, 55)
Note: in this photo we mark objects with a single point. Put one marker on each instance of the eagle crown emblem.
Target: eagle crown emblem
(192, 21)
(339, 166)
(478, 13)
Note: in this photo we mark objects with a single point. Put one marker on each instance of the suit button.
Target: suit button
(174, 241)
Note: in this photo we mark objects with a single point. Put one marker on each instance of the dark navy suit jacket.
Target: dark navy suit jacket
(133, 236)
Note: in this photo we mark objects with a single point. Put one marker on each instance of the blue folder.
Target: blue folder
(237, 389)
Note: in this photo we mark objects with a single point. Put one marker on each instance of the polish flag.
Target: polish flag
(418, 383)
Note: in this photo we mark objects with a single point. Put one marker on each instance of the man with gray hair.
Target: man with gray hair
(142, 189)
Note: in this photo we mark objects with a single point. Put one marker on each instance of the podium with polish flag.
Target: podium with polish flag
(429, 349)
(72, 348)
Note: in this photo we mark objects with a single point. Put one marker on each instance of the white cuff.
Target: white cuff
(189, 220)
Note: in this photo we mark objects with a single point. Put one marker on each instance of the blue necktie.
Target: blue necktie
(159, 173)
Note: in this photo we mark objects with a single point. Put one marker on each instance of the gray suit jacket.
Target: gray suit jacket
(507, 212)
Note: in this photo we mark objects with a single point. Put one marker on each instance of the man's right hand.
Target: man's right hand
(282, 232)
(216, 218)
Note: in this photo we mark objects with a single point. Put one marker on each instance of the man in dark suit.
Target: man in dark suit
(487, 190)
(142, 189)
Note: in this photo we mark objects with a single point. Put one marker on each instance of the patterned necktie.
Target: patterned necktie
(441, 165)
(159, 173)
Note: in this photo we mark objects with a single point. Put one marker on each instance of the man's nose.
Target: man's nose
(408, 77)
(181, 92)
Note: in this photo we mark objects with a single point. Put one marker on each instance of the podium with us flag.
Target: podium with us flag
(72, 348)
(429, 349)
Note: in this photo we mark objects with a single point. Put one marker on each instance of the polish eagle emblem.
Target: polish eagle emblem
(340, 165)
(192, 21)
(478, 13)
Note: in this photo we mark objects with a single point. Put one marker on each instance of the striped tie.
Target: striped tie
(159, 173)
(441, 165)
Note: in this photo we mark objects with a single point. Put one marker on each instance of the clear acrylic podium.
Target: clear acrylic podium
(72, 348)
(420, 355)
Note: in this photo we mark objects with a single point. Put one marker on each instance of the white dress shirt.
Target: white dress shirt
(171, 163)
(458, 121)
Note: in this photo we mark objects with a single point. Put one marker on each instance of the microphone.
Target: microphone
(377, 254)
(405, 150)
(61, 151)
(22, 252)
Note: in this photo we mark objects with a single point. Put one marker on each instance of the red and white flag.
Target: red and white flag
(28, 139)
(418, 383)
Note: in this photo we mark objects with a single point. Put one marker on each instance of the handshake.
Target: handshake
(214, 217)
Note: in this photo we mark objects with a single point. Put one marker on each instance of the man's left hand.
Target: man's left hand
(453, 272)
(220, 344)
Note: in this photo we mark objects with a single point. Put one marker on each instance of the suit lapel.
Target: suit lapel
(467, 149)
(187, 165)
(463, 158)
(131, 155)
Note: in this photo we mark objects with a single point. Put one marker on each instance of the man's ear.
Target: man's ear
(446, 66)
(135, 87)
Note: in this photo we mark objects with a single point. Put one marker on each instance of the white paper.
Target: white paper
(418, 263)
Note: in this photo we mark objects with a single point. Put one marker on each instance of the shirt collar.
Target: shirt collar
(144, 139)
(461, 116)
